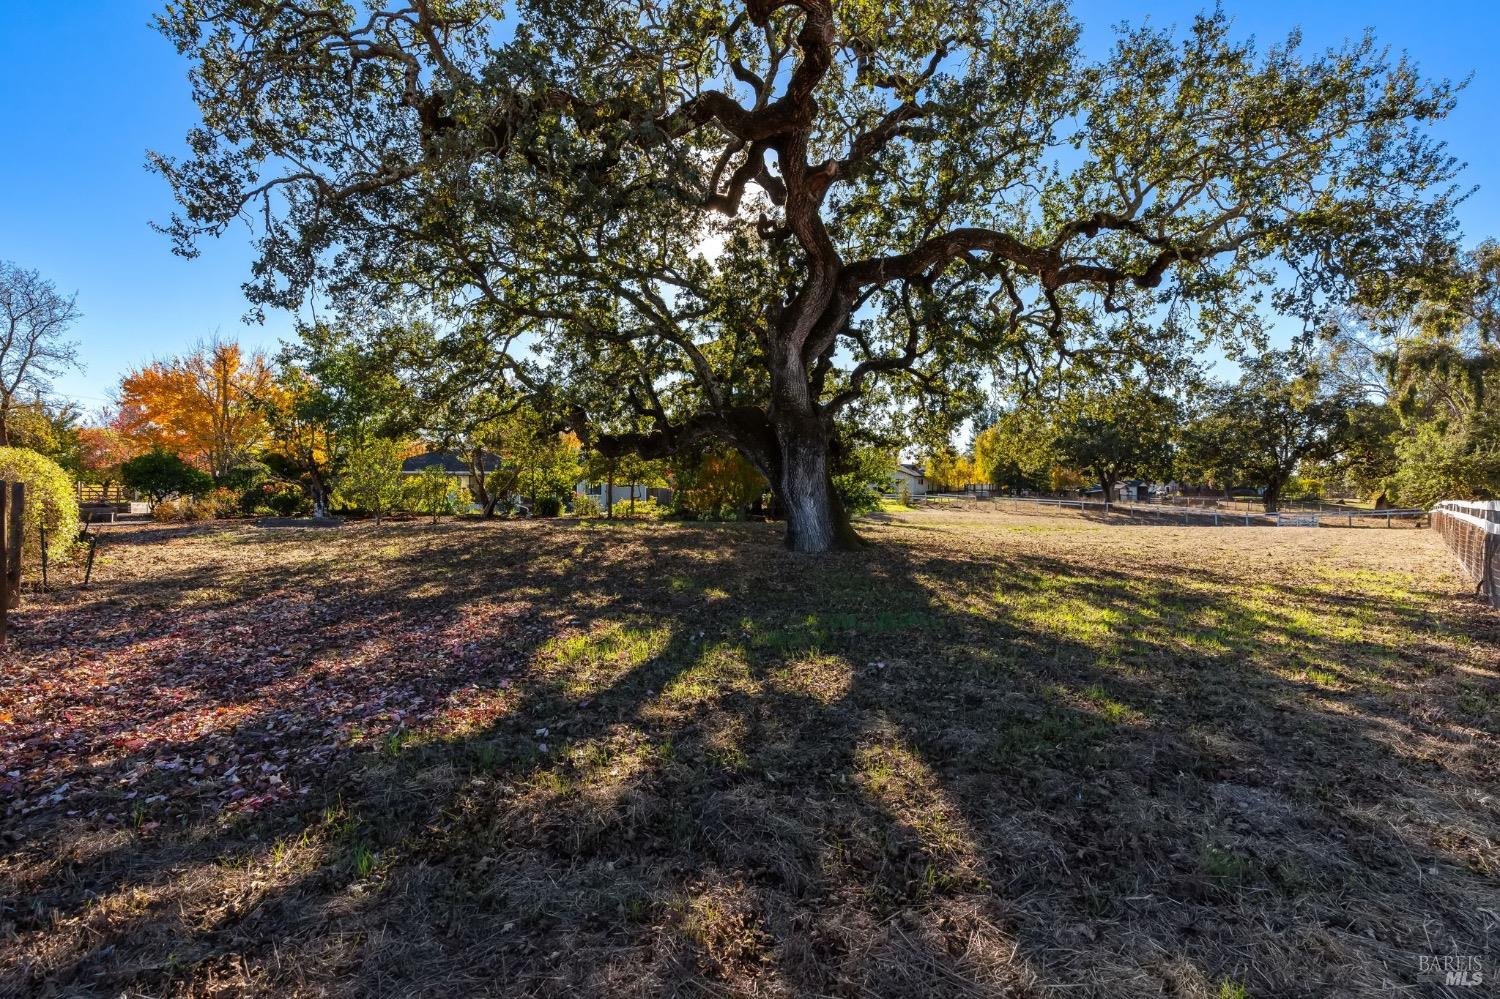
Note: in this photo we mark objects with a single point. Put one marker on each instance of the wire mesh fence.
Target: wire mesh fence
(1472, 533)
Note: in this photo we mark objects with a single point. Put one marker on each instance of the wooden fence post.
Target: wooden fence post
(4, 558)
(17, 526)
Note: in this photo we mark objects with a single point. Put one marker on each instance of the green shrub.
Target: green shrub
(864, 474)
(50, 502)
(642, 509)
(287, 501)
(1298, 488)
(280, 499)
(547, 506)
(246, 478)
(585, 506)
(159, 474)
(218, 503)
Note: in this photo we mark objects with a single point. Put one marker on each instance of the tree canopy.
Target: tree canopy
(205, 405)
(703, 219)
(1257, 431)
(1125, 431)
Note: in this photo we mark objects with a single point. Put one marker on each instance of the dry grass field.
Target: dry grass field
(994, 754)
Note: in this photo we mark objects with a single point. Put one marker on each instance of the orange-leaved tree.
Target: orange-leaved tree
(203, 405)
(104, 447)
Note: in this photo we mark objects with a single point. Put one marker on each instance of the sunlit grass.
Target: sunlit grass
(592, 660)
(720, 670)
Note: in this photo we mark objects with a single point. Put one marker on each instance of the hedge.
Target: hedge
(50, 499)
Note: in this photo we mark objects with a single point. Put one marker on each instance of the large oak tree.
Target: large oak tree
(742, 218)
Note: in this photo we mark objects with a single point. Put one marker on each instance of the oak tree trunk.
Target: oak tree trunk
(319, 495)
(815, 519)
(1107, 483)
(1272, 497)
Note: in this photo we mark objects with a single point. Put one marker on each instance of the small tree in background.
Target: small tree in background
(1258, 430)
(204, 405)
(434, 492)
(308, 431)
(1128, 431)
(158, 474)
(636, 472)
(603, 469)
(103, 451)
(1016, 451)
(948, 471)
(371, 479)
(717, 482)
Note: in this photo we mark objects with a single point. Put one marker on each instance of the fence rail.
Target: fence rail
(1472, 533)
(1200, 516)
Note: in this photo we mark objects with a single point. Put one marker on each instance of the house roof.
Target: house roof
(448, 461)
(911, 470)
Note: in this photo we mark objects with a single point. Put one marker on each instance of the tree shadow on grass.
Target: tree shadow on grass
(684, 761)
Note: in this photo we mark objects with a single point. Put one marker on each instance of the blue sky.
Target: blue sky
(87, 87)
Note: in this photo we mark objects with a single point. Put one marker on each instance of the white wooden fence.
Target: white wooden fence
(1472, 533)
(1207, 517)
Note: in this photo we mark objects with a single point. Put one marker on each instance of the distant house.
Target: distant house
(622, 492)
(910, 476)
(451, 464)
(1128, 491)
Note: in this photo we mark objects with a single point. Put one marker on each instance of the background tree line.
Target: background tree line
(1392, 405)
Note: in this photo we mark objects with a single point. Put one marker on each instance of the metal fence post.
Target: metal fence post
(88, 570)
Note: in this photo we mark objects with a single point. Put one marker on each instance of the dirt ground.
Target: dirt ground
(992, 754)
